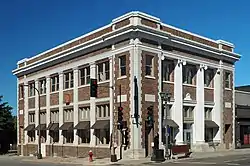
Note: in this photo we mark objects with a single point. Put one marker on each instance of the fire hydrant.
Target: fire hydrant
(90, 156)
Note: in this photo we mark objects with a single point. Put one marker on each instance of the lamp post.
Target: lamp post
(165, 96)
(39, 155)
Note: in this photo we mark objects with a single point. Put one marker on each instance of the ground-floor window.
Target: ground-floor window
(68, 136)
(84, 136)
(102, 136)
(208, 135)
(32, 136)
(54, 136)
(43, 136)
(171, 137)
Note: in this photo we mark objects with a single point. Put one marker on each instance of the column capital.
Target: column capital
(60, 73)
(203, 67)
(75, 68)
(182, 62)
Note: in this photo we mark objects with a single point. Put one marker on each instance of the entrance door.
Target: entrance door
(188, 136)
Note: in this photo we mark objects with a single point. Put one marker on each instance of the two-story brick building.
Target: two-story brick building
(197, 71)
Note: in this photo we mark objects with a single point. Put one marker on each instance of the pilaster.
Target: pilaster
(76, 119)
(92, 107)
(111, 92)
(47, 107)
(25, 111)
(60, 106)
(199, 119)
(178, 104)
(36, 109)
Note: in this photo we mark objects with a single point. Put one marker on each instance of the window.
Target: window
(42, 86)
(122, 65)
(168, 68)
(103, 111)
(103, 137)
(55, 136)
(227, 80)
(149, 65)
(31, 136)
(68, 115)
(168, 111)
(208, 77)
(21, 91)
(68, 136)
(208, 113)
(188, 74)
(85, 76)
(84, 113)
(68, 80)
(209, 135)
(84, 136)
(54, 116)
(32, 89)
(43, 117)
(54, 83)
(31, 117)
(43, 136)
(188, 112)
(103, 71)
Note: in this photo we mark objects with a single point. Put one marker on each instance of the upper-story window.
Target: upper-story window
(42, 86)
(21, 91)
(188, 112)
(208, 77)
(32, 89)
(208, 113)
(54, 83)
(103, 71)
(189, 74)
(122, 65)
(68, 80)
(54, 116)
(84, 113)
(103, 111)
(149, 65)
(227, 80)
(84, 75)
(43, 117)
(168, 69)
(168, 109)
(68, 115)
(31, 117)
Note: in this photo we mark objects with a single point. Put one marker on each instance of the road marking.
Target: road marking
(195, 162)
(232, 164)
(229, 161)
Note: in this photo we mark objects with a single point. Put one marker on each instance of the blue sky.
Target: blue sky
(28, 27)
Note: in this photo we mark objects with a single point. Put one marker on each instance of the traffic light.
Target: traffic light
(93, 87)
(120, 117)
(150, 117)
(126, 139)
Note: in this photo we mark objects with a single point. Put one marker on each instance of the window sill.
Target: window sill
(30, 97)
(54, 92)
(44, 94)
(69, 144)
(82, 86)
(68, 89)
(21, 98)
(150, 77)
(168, 82)
(84, 145)
(190, 85)
(102, 82)
(122, 77)
(209, 88)
(102, 146)
(228, 89)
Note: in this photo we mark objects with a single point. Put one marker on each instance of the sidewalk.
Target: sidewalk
(106, 161)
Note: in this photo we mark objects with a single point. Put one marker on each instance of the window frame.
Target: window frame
(189, 73)
(122, 67)
(31, 89)
(84, 113)
(68, 80)
(103, 68)
(54, 116)
(54, 82)
(68, 115)
(190, 112)
(84, 135)
(84, 76)
(100, 109)
(168, 69)
(31, 117)
(228, 80)
(208, 78)
(42, 86)
(208, 113)
(102, 137)
(149, 67)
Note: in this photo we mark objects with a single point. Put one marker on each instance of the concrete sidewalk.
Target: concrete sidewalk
(106, 161)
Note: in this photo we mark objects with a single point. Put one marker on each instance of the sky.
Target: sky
(29, 27)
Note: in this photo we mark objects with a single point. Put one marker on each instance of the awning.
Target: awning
(67, 126)
(53, 126)
(83, 125)
(170, 122)
(30, 127)
(210, 124)
(43, 127)
(101, 124)
(244, 123)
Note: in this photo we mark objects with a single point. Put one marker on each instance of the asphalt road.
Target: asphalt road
(241, 160)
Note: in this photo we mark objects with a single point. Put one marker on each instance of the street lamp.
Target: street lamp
(39, 155)
(165, 96)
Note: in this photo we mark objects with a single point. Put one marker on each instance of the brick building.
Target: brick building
(197, 71)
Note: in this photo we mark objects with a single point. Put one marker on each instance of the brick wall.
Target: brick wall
(149, 86)
(84, 93)
(209, 95)
(31, 103)
(169, 87)
(125, 89)
(43, 101)
(191, 90)
(103, 90)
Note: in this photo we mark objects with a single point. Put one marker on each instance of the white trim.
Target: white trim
(102, 99)
(244, 92)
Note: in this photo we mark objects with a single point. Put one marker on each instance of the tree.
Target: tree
(7, 126)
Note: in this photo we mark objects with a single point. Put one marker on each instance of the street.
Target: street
(242, 160)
